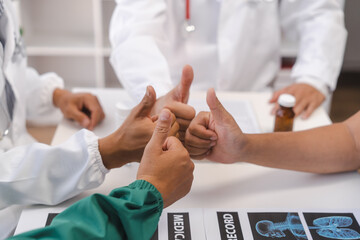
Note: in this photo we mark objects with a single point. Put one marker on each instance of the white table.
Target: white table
(231, 186)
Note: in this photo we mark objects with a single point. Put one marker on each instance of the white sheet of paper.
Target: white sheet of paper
(205, 224)
(33, 218)
(226, 218)
(241, 110)
(197, 229)
(282, 219)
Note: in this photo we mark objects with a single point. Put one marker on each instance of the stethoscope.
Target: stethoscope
(189, 27)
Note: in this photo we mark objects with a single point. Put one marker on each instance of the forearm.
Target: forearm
(116, 155)
(130, 212)
(322, 150)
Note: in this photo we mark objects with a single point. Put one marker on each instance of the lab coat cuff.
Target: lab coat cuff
(145, 185)
(41, 109)
(94, 153)
(320, 86)
(53, 81)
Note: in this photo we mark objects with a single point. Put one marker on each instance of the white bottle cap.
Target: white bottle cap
(286, 100)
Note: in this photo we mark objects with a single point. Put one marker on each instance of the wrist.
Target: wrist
(320, 86)
(243, 146)
(58, 95)
(111, 152)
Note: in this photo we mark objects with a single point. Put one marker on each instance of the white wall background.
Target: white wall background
(70, 37)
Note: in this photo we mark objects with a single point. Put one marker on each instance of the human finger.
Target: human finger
(300, 107)
(193, 151)
(174, 129)
(195, 141)
(201, 131)
(184, 123)
(155, 118)
(74, 113)
(91, 103)
(182, 136)
(276, 95)
(181, 110)
(173, 118)
(173, 144)
(274, 109)
(143, 109)
(309, 110)
(183, 89)
(162, 129)
(218, 111)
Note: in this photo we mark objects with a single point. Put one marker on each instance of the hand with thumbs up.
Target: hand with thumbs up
(176, 101)
(215, 134)
(127, 143)
(166, 164)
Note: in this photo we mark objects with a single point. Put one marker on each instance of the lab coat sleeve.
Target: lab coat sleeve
(322, 38)
(40, 109)
(130, 213)
(42, 174)
(138, 45)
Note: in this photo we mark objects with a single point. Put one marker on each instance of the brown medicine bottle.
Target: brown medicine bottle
(285, 115)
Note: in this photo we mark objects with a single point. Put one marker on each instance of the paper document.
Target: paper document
(280, 224)
(181, 224)
(235, 224)
(241, 110)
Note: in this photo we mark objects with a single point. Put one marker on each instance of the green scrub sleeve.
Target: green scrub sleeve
(130, 212)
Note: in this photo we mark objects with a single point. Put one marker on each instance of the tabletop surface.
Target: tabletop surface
(238, 185)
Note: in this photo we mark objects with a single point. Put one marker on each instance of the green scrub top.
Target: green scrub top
(130, 212)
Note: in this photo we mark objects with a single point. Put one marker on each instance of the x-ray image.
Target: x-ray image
(332, 226)
(276, 226)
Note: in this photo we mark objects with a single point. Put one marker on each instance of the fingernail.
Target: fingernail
(213, 138)
(164, 115)
(85, 123)
(212, 144)
(147, 91)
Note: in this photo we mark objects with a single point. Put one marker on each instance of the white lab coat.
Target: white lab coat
(236, 44)
(33, 173)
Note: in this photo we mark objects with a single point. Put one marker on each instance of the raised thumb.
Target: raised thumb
(162, 129)
(217, 109)
(185, 84)
(144, 108)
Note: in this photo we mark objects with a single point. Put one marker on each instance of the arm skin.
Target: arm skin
(330, 149)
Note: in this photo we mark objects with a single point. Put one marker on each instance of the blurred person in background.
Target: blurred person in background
(232, 45)
(34, 173)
